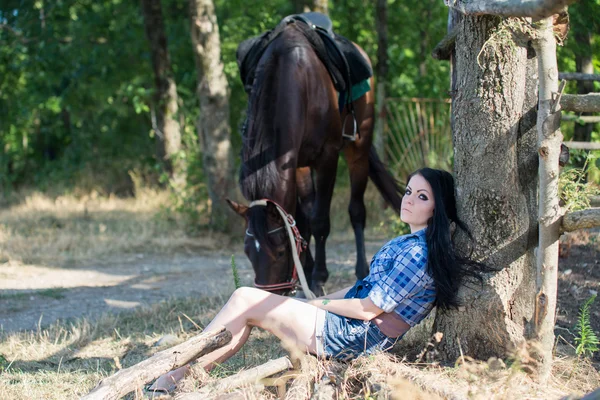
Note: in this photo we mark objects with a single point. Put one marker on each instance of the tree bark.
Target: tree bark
(580, 102)
(578, 76)
(492, 120)
(127, 380)
(443, 50)
(213, 125)
(321, 6)
(583, 219)
(381, 71)
(165, 125)
(582, 119)
(549, 140)
(536, 9)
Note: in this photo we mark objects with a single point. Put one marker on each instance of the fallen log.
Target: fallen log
(583, 219)
(127, 380)
(250, 376)
(580, 102)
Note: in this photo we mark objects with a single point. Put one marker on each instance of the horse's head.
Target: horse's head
(267, 246)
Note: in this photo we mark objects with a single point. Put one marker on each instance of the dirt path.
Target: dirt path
(32, 296)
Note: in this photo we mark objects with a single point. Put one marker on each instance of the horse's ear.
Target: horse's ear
(240, 209)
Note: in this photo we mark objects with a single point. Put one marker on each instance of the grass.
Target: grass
(67, 230)
(67, 359)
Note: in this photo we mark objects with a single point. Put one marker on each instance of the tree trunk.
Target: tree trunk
(583, 61)
(424, 42)
(321, 6)
(213, 125)
(381, 70)
(493, 121)
(549, 140)
(165, 125)
(300, 6)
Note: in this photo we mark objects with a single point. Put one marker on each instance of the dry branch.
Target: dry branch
(549, 140)
(443, 49)
(578, 76)
(583, 145)
(250, 376)
(301, 387)
(583, 219)
(580, 102)
(127, 380)
(582, 119)
(536, 9)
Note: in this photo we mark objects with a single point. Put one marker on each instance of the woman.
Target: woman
(408, 276)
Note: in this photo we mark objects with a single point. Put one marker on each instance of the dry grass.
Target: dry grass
(67, 229)
(65, 361)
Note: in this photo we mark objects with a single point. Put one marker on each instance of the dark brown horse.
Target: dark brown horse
(291, 143)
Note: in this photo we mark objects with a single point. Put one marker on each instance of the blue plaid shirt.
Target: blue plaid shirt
(399, 278)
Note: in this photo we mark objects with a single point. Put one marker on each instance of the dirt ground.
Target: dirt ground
(578, 280)
(34, 296)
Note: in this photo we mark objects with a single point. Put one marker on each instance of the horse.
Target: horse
(292, 139)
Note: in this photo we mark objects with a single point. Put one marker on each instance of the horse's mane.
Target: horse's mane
(258, 175)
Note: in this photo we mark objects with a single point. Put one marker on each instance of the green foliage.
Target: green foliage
(236, 276)
(574, 190)
(76, 82)
(393, 225)
(586, 339)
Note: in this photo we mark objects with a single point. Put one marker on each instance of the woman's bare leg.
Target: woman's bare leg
(290, 320)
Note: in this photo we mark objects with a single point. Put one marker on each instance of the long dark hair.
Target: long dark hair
(445, 264)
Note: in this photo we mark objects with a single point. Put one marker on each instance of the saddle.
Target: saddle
(341, 58)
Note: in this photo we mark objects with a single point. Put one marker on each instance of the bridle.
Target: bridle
(297, 242)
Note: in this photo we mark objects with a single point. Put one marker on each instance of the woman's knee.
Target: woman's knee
(246, 295)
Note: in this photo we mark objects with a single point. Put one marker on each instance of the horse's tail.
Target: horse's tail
(385, 182)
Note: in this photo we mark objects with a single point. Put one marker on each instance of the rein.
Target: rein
(295, 238)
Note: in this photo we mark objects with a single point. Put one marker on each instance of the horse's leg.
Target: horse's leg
(358, 166)
(306, 198)
(320, 224)
(357, 156)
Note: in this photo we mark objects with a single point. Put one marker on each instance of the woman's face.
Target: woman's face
(417, 203)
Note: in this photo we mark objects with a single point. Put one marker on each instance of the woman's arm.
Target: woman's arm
(335, 295)
(363, 309)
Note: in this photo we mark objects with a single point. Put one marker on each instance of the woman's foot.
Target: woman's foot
(167, 383)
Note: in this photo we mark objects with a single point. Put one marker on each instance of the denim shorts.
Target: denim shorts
(345, 338)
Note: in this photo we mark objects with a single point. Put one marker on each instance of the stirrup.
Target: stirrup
(352, 137)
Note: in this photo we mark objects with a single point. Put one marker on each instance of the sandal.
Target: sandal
(165, 388)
